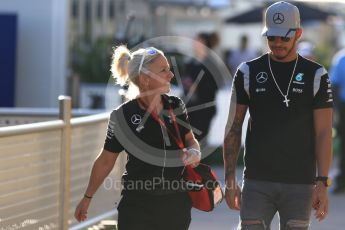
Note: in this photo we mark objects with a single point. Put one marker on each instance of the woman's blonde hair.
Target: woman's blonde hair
(126, 66)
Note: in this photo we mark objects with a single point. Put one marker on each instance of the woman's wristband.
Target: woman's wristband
(88, 197)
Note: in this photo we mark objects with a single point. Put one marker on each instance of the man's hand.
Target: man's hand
(81, 210)
(320, 201)
(233, 195)
(323, 148)
(231, 151)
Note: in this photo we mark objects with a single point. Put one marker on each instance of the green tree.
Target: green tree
(91, 61)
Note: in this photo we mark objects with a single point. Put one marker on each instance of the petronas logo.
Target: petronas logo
(299, 77)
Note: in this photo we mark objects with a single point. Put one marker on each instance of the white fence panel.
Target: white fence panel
(38, 166)
(30, 180)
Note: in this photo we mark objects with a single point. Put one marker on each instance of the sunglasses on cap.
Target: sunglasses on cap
(148, 52)
(273, 38)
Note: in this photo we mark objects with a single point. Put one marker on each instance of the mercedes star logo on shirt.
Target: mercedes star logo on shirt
(261, 77)
(278, 18)
(136, 119)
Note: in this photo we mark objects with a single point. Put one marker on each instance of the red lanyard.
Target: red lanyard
(177, 139)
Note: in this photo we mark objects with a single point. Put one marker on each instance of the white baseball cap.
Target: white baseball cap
(281, 19)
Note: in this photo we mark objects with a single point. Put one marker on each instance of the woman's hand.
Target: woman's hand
(81, 210)
(191, 157)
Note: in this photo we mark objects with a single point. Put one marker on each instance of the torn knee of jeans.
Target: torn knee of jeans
(297, 224)
(253, 222)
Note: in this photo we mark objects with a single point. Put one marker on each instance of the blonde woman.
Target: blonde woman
(154, 130)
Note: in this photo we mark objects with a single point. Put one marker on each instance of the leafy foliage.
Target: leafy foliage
(91, 61)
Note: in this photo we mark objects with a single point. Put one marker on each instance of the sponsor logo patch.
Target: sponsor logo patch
(258, 90)
(297, 90)
(261, 77)
(136, 119)
(299, 79)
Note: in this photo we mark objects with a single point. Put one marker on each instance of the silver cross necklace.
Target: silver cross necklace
(286, 100)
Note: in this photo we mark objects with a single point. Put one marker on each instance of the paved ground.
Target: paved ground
(223, 218)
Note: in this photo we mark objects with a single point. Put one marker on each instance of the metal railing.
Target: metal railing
(44, 170)
(19, 116)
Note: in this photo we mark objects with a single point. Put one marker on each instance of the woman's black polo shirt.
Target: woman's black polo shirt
(134, 130)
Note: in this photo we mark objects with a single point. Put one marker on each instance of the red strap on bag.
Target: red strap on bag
(177, 138)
